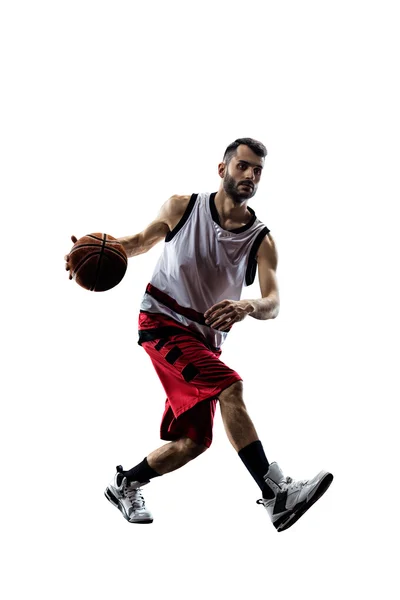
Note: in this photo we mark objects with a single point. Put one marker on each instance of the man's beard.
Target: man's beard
(232, 190)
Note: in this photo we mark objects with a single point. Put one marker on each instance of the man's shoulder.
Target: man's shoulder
(180, 199)
(175, 208)
(178, 203)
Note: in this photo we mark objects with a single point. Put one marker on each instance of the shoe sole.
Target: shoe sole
(287, 521)
(114, 501)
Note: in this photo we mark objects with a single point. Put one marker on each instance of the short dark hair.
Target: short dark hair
(257, 147)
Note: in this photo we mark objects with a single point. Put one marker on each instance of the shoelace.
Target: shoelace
(291, 485)
(134, 495)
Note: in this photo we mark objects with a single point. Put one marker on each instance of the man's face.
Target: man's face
(242, 176)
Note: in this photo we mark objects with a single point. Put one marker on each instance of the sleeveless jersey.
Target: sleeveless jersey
(202, 264)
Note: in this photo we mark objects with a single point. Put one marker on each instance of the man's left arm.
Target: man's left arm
(267, 307)
(223, 315)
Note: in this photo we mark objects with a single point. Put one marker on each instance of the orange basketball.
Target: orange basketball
(97, 262)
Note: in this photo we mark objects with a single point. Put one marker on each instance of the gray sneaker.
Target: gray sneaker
(128, 497)
(291, 498)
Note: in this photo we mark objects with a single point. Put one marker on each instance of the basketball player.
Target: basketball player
(214, 244)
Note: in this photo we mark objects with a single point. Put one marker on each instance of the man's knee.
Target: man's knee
(191, 448)
(233, 395)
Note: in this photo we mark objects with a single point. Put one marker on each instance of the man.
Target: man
(214, 244)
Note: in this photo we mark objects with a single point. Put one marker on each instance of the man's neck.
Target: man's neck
(229, 210)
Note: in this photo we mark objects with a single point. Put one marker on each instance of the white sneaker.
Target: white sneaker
(292, 498)
(129, 499)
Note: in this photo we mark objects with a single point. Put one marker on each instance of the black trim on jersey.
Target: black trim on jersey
(252, 264)
(167, 300)
(215, 216)
(184, 218)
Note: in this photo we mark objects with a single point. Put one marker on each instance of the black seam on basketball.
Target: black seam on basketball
(118, 252)
(101, 239)
(115, 250)
(77, 247)
(82, 262)
(92, 287)
(94, 237)
(99, 262)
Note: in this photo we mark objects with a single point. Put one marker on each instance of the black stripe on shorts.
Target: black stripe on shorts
(190, 372)
(160, 344)
(173, 355)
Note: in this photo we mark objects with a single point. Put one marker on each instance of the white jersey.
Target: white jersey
(202, 264)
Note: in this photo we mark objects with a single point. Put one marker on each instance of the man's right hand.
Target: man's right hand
(66, 257)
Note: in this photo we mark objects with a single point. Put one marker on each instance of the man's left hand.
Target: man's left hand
(223, 315)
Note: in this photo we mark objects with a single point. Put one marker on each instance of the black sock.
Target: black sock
(142, 472)
(256, 463)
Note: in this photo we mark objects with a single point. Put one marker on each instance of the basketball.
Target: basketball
(98, 262)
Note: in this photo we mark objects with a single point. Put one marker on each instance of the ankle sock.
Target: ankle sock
(142, 472)
(254, 459)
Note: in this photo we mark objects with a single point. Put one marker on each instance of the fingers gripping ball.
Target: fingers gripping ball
(97, 262)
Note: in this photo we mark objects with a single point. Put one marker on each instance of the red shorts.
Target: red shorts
(192, 376)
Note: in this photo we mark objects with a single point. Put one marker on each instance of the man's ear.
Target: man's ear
(221, 169)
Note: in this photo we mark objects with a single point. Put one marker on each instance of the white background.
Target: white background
(108, 108)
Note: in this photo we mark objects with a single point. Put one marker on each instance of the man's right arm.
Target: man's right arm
(169, 216)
